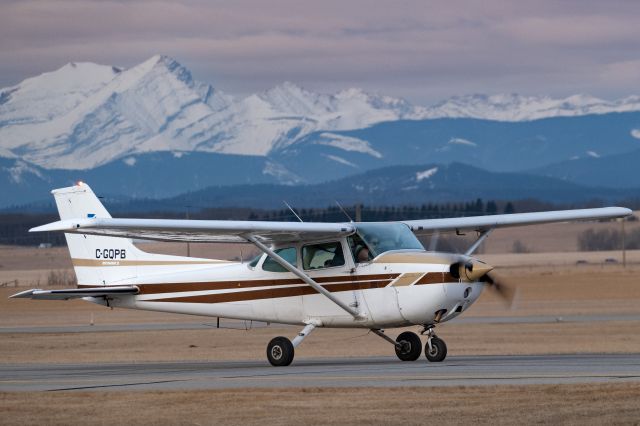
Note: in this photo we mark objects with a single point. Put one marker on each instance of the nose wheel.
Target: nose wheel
(435, 349)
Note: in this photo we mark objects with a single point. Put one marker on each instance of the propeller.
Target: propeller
(469, 270)
(506, 293)
(473, 270)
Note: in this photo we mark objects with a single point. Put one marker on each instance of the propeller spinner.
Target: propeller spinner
(475, 270)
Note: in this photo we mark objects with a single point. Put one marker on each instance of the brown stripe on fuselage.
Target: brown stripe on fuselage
(436, 278)
(271, 294)
(222, 285)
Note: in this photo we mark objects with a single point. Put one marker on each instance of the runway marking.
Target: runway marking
(114, 385)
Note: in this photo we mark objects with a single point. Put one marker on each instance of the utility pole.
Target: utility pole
(188, 244)
(624, 246)
(358, 212)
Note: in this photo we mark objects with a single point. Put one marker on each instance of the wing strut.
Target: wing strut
(304, 277)
(483, 236)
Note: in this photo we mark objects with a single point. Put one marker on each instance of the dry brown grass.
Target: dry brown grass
(547, 404)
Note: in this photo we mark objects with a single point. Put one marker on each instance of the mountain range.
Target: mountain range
(154, 131)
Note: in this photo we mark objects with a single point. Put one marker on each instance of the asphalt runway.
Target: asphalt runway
(350, 372)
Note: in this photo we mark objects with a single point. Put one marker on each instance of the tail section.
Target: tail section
(101, 260)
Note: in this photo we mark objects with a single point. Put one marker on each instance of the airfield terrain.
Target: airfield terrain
(567, 351)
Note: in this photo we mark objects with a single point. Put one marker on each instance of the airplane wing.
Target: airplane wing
(483, 223)
(226, 231)
(75, 293)
(223, 231)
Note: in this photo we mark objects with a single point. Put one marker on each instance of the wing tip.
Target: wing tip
(26, 294)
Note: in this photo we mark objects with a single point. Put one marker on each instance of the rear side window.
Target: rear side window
(326, 255)
(288, 254)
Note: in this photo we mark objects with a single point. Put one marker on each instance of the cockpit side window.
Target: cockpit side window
(255, 260)
(325, 255)
(288, 254)
(361, 253)
(382, 237)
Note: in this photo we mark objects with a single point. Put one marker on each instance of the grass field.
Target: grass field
(504, 405)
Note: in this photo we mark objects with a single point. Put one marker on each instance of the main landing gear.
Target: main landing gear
(280, 350)
(409, 347)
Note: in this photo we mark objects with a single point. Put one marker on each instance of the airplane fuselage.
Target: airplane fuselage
(396, 289)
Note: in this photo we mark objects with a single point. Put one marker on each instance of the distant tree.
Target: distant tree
(608, 239)
(604, 239)
(508, 209)
(479, 207)
(491, 208)
(519, 247)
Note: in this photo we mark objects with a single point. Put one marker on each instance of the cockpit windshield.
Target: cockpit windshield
(382, 237)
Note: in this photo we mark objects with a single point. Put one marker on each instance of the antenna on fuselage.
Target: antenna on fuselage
(292, 210)
(344, 211)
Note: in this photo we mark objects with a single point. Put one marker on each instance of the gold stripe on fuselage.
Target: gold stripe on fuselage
(124, 262)
(407, 279)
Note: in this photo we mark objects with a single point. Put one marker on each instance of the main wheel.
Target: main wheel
(438, 350)
(280, 351)
(410, 346)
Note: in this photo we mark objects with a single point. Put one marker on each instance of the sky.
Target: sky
(421, 50)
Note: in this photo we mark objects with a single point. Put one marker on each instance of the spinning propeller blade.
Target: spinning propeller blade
(506, 293)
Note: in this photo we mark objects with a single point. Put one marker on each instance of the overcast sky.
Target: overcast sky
(421, 50)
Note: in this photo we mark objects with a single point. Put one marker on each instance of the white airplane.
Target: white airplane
(350, 275)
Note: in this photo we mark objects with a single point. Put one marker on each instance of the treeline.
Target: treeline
(608, 239)
(14, 227)
(387, 213)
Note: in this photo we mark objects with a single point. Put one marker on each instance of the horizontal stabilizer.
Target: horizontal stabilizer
(75, 293)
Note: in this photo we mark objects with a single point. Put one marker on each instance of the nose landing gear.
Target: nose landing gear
(435, 349)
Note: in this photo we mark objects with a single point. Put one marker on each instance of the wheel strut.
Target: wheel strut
(304, 333)
(380, 333)
(429, 331)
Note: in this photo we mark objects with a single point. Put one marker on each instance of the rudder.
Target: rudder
(99, 260)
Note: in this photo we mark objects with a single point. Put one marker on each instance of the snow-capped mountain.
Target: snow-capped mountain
(157, 106)
(513, 107)
(85, 115)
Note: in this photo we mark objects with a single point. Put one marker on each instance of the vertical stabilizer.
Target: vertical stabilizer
(99, 260)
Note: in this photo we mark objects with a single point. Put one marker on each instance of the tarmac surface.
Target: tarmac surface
(349, 372)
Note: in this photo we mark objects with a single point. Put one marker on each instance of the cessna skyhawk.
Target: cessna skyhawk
(352, 275)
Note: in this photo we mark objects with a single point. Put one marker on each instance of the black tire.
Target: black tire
(280, 351)
(438, 352)
(411, 346)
